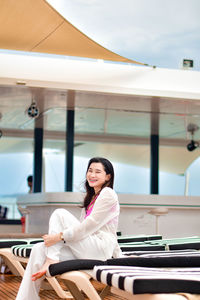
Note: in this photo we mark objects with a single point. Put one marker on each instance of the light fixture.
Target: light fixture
(188, 63)
(33, 111)
(193, 144)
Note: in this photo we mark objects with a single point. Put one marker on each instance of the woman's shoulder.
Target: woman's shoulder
(108, 191)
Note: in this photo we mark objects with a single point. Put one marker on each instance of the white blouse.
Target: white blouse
(102, 223)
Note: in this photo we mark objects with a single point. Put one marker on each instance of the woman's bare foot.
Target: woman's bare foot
(43, 270)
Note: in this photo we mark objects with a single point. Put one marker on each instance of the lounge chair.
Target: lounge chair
(118, 273)
(20, 255)
(6, 254)
(159, 244)
(128, 281)
(77, 274)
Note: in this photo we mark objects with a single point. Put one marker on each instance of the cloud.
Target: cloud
(137, 28)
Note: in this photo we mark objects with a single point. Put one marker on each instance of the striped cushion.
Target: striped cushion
(163, 244)
(189, 245)
(170, 260)
(7, 243)
(22, 250)
(159, 253)
(73, 265)
(35, 241)
(25, 250)
(178, 243)
(139, 280)
(138, 238)
(176, 258)
(141, 247)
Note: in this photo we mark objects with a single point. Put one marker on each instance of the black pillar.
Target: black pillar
(70, 151)
(154, 164)
(69, 142)
(38, 98)
(37, 173)
(154, 168)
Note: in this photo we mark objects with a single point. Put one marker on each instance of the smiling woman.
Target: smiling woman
(94, 236)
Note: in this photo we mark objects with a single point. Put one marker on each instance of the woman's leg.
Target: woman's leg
(91, 247)
(59, 220)
(30, 289)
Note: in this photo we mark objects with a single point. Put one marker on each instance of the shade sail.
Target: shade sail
(35, 26)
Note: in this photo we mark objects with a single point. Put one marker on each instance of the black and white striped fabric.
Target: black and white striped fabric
(141, 247)
(159, 253)
(141, 280)
(169, 260)
(169, 253)
(138, 238)
(7, 243)
(22, 250)
(25, 250)
(174, 259)
(134, 244)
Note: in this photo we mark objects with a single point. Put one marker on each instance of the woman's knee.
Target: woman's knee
(63, 217)
(59, 211)
(38, 247)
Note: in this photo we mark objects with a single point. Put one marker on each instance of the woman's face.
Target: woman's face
(96, 176)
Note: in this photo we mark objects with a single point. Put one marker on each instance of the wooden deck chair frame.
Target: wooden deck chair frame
(14, 263)
(77, 281)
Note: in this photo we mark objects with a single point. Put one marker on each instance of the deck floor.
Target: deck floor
(9, 285)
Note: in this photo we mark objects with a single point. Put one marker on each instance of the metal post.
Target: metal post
(69, 142)
(154, 164)
(37, 174)
(38, 97)
(154, 171)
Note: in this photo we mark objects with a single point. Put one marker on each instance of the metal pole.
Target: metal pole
(70, 142)
(154, 171)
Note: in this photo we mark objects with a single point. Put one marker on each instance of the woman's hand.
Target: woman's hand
(51, 239)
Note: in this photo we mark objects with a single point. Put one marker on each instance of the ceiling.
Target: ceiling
(113, 125)
(111, 114)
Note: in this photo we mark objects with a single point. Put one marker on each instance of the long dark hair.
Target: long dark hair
(108, 168)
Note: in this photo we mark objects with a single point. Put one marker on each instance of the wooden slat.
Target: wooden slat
(9, 285)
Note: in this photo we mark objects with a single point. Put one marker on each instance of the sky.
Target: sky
(156, 32)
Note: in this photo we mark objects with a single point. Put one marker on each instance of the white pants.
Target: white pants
(89, 247)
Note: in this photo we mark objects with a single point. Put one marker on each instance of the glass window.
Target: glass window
(16, 161)
(53, 166)
(122, 137)
(54, 150)
(174, 158)
(192, 178)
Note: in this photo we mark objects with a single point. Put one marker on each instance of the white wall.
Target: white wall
(177, 216)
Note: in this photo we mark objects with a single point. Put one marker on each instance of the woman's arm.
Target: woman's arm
(105, 209)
